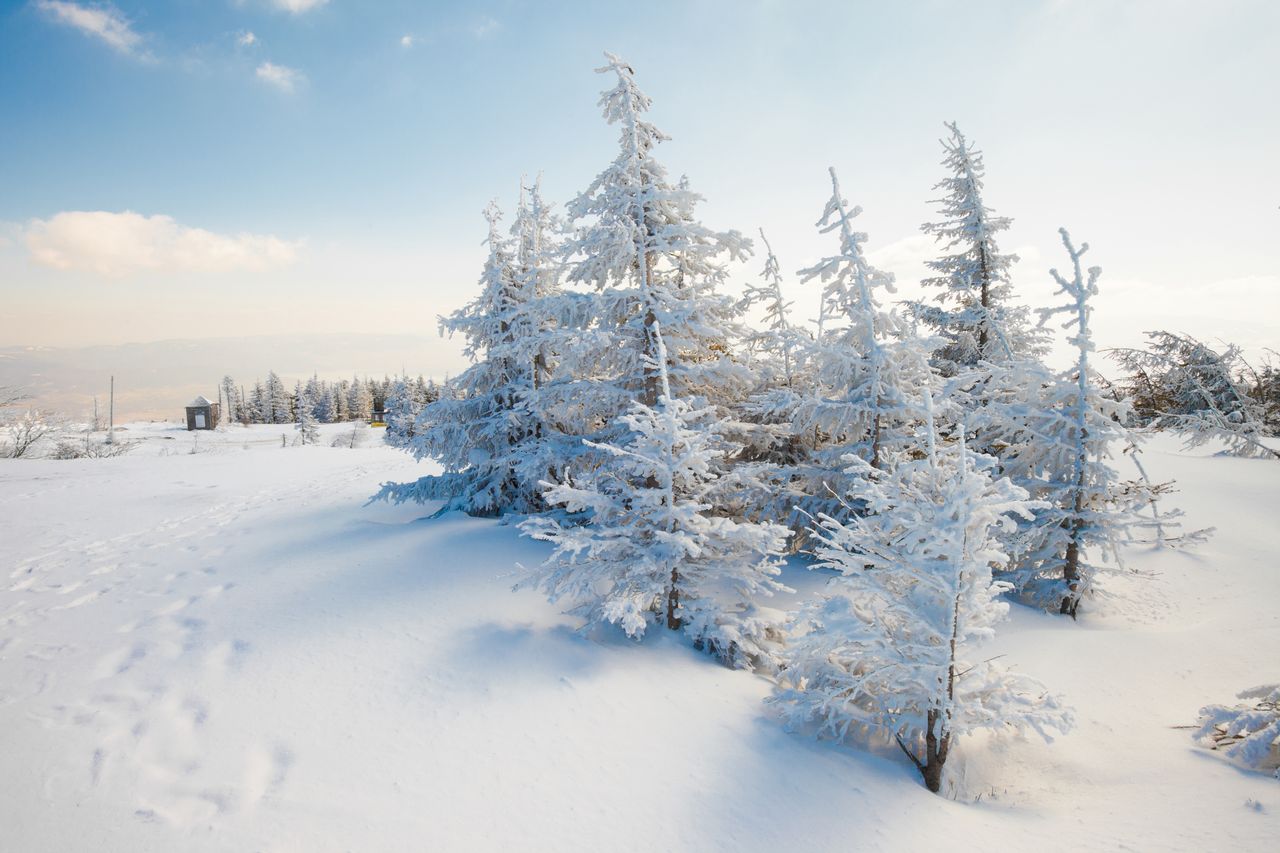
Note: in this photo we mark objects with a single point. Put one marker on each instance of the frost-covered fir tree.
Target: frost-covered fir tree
(278, 405)
(887, 654)
(864, 372)
(477, 429)
(235, 406)
(651, 550)
(547, 332)
(639, 243)
(305, 416)
(401, 411)
(975, 314)
(768, 481)
(778, 355)
(1058, 446)
(257, 410)
(870, 366)
(779, 344)
(359, 400)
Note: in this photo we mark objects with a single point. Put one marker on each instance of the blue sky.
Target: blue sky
(327, 174)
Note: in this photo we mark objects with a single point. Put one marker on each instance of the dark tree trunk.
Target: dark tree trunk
(935, 755)
(1071, 576)
(673, 602)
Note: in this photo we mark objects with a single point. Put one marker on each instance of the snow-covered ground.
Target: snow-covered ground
(227, 650)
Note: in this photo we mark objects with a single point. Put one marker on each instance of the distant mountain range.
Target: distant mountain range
(155, 380)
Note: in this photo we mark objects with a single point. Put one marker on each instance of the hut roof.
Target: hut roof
(199, 402)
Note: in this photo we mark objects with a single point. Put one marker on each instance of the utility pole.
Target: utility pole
(111, 428)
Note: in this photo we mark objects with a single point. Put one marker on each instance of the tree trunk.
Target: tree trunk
(673, 601)
(1071, 576)
(985, 301)
(935, 754)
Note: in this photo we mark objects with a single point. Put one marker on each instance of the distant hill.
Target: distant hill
(155, 380)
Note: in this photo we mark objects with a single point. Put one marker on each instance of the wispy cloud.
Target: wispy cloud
(117, 244)
(246, 38)
(298, 7)
(407, 40)
(102, 21)
(485, 27)
(280, 76)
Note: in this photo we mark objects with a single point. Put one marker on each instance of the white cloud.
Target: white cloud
(298, 7)
(104, 22)
(282, 77)
(906, 257)
(485, 27)
(246, 38)
(407, 41)
(117, 244)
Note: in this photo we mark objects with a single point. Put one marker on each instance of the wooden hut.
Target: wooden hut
(202, 413)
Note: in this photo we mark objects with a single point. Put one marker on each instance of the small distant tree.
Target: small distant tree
(887, 654)
(403, 403)
(359, 400)
(305, 412)
(231, 394)
(278, 404)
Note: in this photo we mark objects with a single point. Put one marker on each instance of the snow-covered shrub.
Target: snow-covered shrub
(1247, 734)
(23, 433)
(1181, 384)
(88, 448)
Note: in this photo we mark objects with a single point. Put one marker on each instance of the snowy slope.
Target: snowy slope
(226, 651)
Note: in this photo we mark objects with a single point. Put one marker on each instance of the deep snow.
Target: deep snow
(227, 650)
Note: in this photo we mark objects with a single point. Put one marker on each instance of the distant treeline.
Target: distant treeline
(270, 401)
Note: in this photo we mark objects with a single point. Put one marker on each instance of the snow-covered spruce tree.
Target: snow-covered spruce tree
(777, 355)
(305, 414)
(1057, 446)
(651, 550)
(760, 485)
(1247, 734)
(549, 325)
(402, 407)
(359, 400)
(975, 316)
(476, 429)
(870, 367)
(865, 370)
(637, 241)
(231, 393)
(277, 406)
(1181, 384)
(887, 653)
